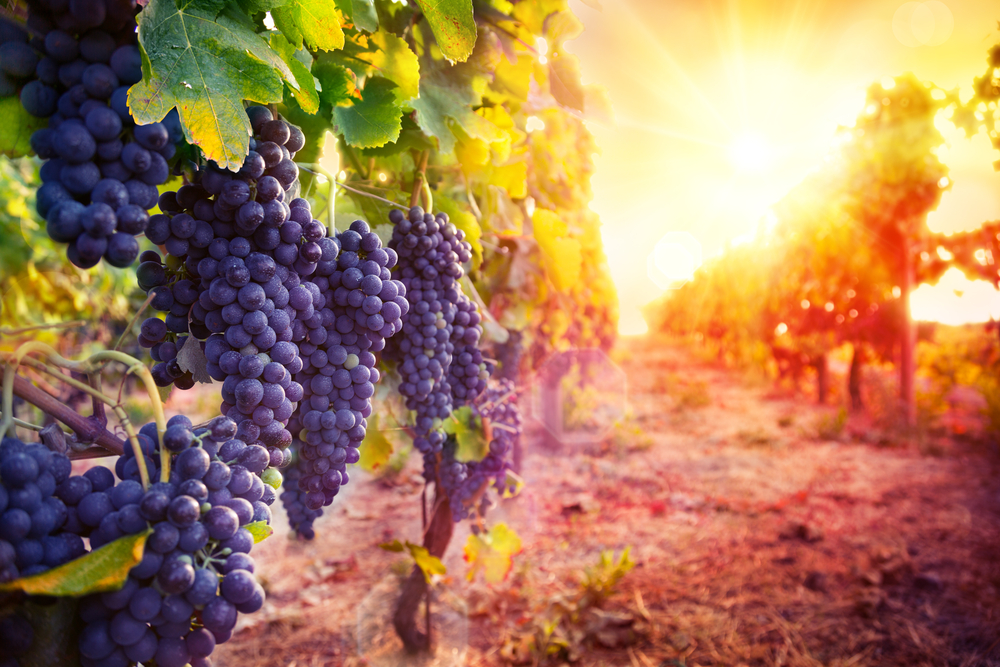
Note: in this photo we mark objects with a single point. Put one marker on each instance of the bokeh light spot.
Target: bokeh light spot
(675, 258)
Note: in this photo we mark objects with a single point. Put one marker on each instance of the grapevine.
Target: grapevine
(297, 298)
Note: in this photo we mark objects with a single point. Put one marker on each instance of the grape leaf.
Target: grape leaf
(376, 448)
(395, 546)
(260, 530)
(428, 564)
(306, 95)
(104, 569)
(337, 81)
(395, 61)
(513, 178)
(191, 358)
(453, 25)
(252, 7)
(315, 22)
(363, 14)
(468, 431)
(212, 7)
(450, 94)
(564, 82)
(17, 127)
(373, 121)
(563, 255)
(492, 553)
(205, 67)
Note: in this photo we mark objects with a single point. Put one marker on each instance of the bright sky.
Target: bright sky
(722, 107)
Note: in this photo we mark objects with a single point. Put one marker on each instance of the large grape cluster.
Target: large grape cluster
(32, 515)
(100, 172)
(465, 482)
(196, 573)
(439, 362)
(238, 251)
(361, 306)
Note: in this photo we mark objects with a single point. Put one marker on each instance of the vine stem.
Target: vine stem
(315, 169)
(139, 368)
(82, 426)
(4, 331)
(419, 177)
(93, 366)
(138, 314)
(99, 399)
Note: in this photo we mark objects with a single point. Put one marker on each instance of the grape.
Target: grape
(104, 124)
(18, 60)
(39, 99)
(73, 142)
(126, 62)
(122, 250)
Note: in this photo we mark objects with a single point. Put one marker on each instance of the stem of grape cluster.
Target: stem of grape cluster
(4, 331)
(138, 314)
(8, 400)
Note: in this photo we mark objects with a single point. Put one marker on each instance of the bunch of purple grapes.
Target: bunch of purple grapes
(101, 171)
(239, 250)
(32, 516)
(196, 573)
(465, 482)
(362, 308)
(438, 358)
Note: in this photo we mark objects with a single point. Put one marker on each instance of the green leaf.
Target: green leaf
(375, 120)
(252, 7)
(260, 531)
(17, 127)
(468, 431)
(410, 138)
(376, 448)
(212, 7)
(306, 95)
(453, 25)
(315, 22)
(205, 67)
(395, 61)
(338, 83)
(449, 94)
(191, 358)
(104, 569)
(364, 15)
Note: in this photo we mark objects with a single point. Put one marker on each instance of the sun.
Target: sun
(751, 152)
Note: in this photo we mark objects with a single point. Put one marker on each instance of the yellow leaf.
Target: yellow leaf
(492, 553)
(513, 178)
(428, 564)
(260, 531)
(104, 569)
(472, 153)
(376, 448)
(396, 62)
(563, 256)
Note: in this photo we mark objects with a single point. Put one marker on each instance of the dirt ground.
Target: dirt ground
(754, 542)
